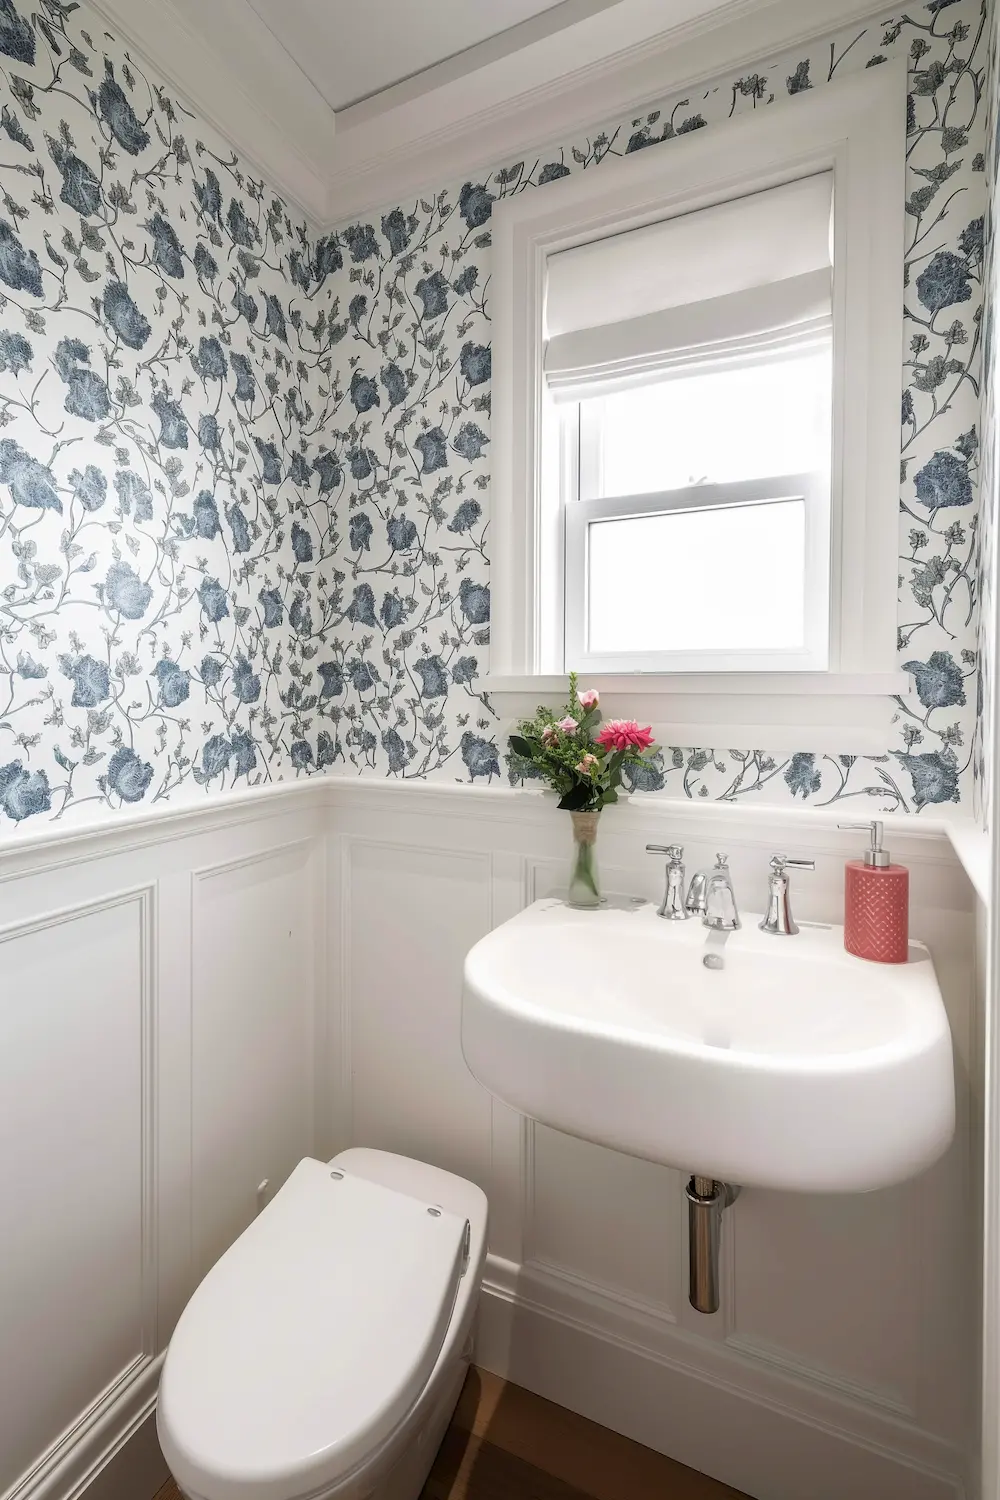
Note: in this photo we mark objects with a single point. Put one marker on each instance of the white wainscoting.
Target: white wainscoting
(161, 999)
(191, 1002)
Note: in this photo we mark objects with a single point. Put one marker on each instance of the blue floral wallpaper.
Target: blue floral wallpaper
(245, 473)
(413, 508)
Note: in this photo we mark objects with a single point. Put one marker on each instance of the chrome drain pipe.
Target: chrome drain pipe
(707, 1199)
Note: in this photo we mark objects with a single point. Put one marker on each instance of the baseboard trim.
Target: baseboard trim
(763, 1432)
(82, 1456)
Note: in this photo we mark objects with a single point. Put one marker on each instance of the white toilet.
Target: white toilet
(321, 1358)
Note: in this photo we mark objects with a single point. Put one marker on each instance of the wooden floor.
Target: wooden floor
(505, 1444)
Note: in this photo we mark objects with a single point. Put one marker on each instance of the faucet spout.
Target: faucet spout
(721, 911)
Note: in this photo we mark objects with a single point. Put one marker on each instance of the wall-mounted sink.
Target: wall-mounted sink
(793, 1066)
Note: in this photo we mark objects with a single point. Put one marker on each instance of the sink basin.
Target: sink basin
(794, 1066)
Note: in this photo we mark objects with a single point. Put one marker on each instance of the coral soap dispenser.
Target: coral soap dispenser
(876, 903)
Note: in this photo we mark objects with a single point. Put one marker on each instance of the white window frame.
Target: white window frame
(856, 128)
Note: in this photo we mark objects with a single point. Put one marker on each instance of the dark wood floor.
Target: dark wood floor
(506, 1444)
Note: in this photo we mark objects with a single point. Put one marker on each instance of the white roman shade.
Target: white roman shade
(747, 278)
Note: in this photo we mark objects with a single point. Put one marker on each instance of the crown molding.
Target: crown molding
(228, 67)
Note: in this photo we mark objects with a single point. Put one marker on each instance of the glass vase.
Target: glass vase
(584, 883)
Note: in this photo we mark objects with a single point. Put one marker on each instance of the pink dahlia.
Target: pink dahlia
(624, 734)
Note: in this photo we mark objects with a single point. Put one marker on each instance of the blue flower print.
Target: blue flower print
(166, 252)
(396, 751)
(245, 305)
(392, 612)
(361, 464)
(363, 676)
(433, 293)
(394, 383)
(17, 40)
(433, 448)
(90, 678)
(206, 515)
(329, 471)
(474, 599)
(359, 531)
(31, 483)
(357, 309)
(90, 487)
(173, 427)
(361, 609)
(246, 683)
(88, 395)
(944, 282)
(30, 669)
(273, 606)
(215, 755)
(270, 462)
(134, 495)
(465, 281)
(364, 392)
(244, 752)
(81, 191)
(433, 677)
(16, 353)
(246, 386)
(242, 231)
(644, 776)
(19, 268)
(401, 532)
(327, 258)
(465, 669)
(939, 680)
(274, 322)
(122, 315)
(470, 441)
(476, 363)
(239, 528)
(210, 361)
(23, 793)
(301, 543)
(175, 684)
(799, 80)
(802, 777)
(465, 517)
(211, 671)
(552, 171)
(944, 481)
(300, 472)
(128, 776)
(13, 128)
(213, 600)
(119, 116)
(481, 756)
(361, 242)
(327, 749)
(934, 776)
(205, 264)
(398, 229)
(125, 593)
(333, 679)
(475, 204)
(301, 755)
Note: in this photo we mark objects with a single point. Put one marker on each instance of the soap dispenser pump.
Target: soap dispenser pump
(876, 903)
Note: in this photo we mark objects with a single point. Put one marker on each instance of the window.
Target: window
(696, 387)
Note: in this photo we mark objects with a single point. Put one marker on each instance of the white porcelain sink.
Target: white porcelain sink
(794, 1066)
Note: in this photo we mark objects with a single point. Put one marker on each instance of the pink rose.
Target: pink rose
(589, 699)
(586, 765)
(624, 734)
(568, 725)
(549, 734)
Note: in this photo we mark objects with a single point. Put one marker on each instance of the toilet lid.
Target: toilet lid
(310, 1340)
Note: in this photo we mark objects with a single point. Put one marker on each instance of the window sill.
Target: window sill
(847, 713)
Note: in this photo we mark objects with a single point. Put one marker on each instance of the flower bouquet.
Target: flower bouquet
(583, 759)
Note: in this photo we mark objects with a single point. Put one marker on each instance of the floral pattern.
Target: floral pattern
(244, 471)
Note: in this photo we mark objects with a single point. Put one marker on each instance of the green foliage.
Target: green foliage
(570, 760)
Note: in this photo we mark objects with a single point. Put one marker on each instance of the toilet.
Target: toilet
(322, 1356)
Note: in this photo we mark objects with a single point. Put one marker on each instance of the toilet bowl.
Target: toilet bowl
(322, 1356)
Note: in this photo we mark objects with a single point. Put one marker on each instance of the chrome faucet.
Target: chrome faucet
(778, 918)
(721, 914)
(672, 905)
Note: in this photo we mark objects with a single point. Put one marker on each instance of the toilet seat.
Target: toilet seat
(310, 1340)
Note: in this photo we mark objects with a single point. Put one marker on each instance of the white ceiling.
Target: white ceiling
(351, 51)
(345, 106)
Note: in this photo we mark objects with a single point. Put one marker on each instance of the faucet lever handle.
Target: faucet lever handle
(672, 851)
(779, 863)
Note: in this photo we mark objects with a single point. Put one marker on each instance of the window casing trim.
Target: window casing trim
(854, 126)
